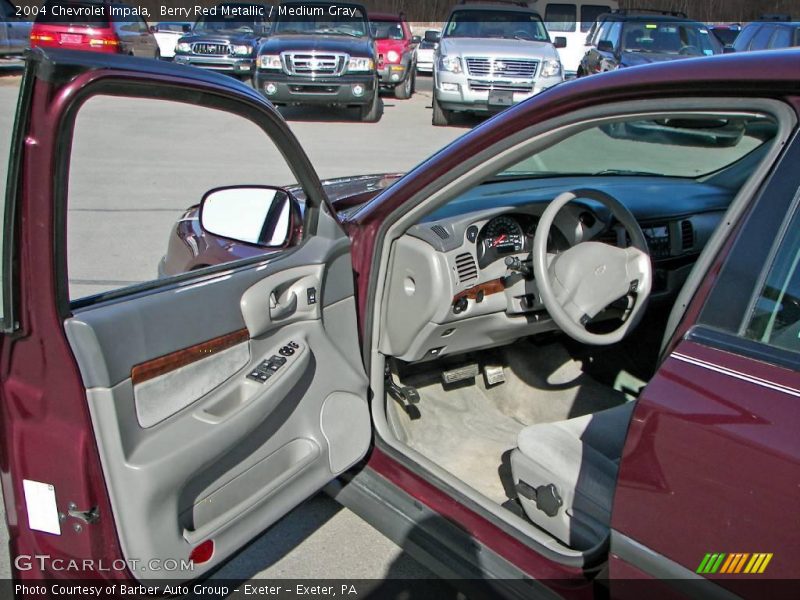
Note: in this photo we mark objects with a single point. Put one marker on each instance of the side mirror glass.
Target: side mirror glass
(560, 42)
(605, 46)
(260, 215)
(432, 36)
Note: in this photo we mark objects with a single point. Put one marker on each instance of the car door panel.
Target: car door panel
(197, 447)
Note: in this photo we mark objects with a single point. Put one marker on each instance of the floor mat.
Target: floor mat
(468, 429)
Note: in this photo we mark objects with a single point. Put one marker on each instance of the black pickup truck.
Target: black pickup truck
(321, 54)
(227, 39)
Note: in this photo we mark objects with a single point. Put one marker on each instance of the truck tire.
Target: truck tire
(371, 113)
(404, 89)
(441, 116)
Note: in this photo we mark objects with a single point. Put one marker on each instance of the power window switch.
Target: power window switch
(311, 295)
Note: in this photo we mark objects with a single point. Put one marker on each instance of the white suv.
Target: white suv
(489, 57)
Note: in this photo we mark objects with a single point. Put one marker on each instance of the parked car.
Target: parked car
(425, 51)
(490, 57)
(167, 35)
(726, 34)
(226, 41)
(626, 38)
(15, 29)
(397, 53)
(589, 439)
(314, 58)
(767, 35)
(93, 25)
(572, 21)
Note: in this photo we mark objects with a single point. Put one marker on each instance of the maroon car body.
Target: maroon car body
(711, 462)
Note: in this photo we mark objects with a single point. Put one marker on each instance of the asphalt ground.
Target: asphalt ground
(319, 539)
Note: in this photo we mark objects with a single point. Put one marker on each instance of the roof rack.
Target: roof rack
(775, 17)
(648, 11)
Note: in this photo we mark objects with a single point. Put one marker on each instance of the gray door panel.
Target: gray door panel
(202, 451)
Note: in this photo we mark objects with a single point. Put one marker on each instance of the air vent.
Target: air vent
(440, 231)
(687, 235)
(466, 267)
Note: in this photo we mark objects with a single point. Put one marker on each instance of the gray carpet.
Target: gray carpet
(466, 429)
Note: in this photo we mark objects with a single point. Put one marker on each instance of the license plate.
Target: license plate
(71, 38)
(501, 98)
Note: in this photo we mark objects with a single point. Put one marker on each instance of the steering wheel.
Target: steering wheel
(690, 51)
(579, 283)
(522, 33)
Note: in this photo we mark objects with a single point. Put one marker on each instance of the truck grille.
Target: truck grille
(516, 68)
(211, 49)
(506, 86)
(312, 64)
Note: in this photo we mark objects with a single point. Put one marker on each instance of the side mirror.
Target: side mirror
(605, 46)
(432, 36)
(560, 42)
(260, 215)
(415, 39)
(186, 28)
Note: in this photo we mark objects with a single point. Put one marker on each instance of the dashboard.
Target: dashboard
(462, 279)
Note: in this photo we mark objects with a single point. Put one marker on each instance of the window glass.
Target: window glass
(561, 17)
(611, 33)
(589, 14)
(775, 316)
(686, 147)
(781, 39)
(668, 38)
(504, 24)
(138, 170)
(386, 30)
(745, 37)
(761, 39)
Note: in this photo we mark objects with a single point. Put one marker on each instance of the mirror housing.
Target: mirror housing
(605, 46)
(153, 28)
(254, 214)
(432, 36)
(415, 39)
(186, 28)
(560, 41)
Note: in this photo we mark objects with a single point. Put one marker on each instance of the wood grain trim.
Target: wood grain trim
(495, 286)
(180, 358)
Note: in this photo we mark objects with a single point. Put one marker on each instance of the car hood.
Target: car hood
(348, 192)
(633, 59)
(220, 38)
(497, 47)
(318, 43)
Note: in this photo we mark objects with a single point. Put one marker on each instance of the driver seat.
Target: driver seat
(565, 474)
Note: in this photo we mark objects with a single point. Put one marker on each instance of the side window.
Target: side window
(744, 38)
(589, 14)
(775, 315)
(561, 17)
(782, 38)
(139, 168)
(613, 33)
(761, 39)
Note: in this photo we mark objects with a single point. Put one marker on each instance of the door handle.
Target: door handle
(282, 307)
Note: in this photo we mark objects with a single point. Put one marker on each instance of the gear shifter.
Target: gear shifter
(515, 264)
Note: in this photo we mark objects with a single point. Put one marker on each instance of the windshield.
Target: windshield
(321, 19)
(690, 147)
(512, 25)
(386, 30)
(669, 38)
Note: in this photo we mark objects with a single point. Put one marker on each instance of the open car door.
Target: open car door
(135, 425)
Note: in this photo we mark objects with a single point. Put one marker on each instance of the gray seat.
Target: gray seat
(565, 474)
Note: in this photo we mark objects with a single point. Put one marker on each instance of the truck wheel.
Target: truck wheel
(371, 113)
(403, 91)
(441, 116)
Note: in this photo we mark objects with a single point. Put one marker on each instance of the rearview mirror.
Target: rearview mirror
(605, 46)
(432, 36)
(560, 42)
(259, 215)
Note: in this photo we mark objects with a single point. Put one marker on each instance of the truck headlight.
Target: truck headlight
(551, 68)
(392, 56)
(450, 63)
(243, 50)
(358, 63)
(184, 47)
(269, 61)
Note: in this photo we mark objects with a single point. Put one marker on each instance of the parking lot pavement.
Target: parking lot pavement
(319, 538)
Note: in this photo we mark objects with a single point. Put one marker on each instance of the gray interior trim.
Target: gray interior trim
(689, 583)
(470, 173)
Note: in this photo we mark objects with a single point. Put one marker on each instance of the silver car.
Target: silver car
(490, 57)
